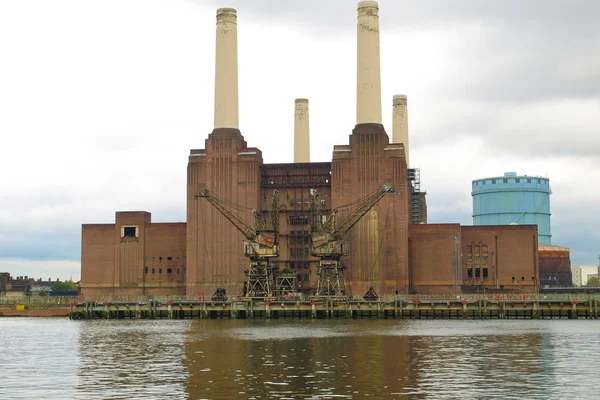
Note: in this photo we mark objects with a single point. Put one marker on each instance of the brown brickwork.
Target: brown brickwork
(435, 265)
(136, 257)
(379, 242)
(148, 259)
(231, 170)
(555, 266)
(293, 182)
(511, 261)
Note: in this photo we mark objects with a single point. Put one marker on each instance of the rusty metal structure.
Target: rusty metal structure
(260, 246)
(327, 241)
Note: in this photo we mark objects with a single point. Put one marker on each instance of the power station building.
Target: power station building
(390, 248)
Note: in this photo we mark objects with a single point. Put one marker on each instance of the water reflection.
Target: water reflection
(381, 359)
(127, 359)
(264, 359)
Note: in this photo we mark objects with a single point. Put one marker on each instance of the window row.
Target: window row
(299, 239)
(299, 220)
(299, 252)
(160, 270)
(478, 272)
(298, 232)
(477, 259)
(169, 258)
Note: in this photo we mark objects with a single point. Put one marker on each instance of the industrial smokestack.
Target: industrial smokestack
(400, 122)
(301, 132)
(368, 85)
(226, 70)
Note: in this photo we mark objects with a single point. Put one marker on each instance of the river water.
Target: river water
(312, 359)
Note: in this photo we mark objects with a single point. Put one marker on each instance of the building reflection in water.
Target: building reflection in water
(127, 359)
(357, 358)
(321, 359)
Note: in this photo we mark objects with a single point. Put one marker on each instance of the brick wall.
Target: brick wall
(512, 257)
(378, 243)
(435, 259)
(230, 170)
(121, 264)
(97, 258)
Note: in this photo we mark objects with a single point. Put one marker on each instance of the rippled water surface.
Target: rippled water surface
(275, 359)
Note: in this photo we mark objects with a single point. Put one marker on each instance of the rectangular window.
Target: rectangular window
(469, 258)
(153, 270)
(476, 260)
(528, 180)
(477, 273)
(299, 220)
(292, 240)
(145, 270)
(485, 272)
(305, 239)
(306, 251)
(484, 259)
(169, 271)
(505, 180)
(160, 270)
(470, 272)
(292, 252)
(518, 180)
(130, 231)
(169, 258)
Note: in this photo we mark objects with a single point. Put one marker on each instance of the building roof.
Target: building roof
(550, 250)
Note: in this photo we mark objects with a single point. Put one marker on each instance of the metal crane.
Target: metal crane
(260, 246)
(327, 240)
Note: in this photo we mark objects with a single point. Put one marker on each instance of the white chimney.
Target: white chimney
(400, 122)
(226, 70)
(368, 82)
(301, 132)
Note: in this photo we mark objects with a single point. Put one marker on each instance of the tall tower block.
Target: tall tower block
(377, 244)
(229, 169)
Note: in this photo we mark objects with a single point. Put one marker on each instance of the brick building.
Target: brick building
(387, 249)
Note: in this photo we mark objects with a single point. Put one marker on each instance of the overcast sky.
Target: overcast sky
(100, 103)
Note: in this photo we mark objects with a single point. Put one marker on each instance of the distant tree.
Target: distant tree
(592, 282)
(64, 286)
(43, 293)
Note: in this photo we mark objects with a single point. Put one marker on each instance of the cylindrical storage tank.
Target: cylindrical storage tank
(513, 199)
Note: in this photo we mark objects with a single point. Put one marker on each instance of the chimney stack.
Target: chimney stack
(226, 70)
(301, 132)
(368, 85)
(400, 122)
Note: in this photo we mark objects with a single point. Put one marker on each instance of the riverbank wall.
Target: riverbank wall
(36, 312)
(396, 307)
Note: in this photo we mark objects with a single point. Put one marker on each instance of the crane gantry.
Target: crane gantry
(327, 242)
(260, 246)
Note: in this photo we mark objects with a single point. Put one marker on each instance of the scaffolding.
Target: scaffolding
(418, 207)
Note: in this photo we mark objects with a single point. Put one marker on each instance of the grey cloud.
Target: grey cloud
(333, 15)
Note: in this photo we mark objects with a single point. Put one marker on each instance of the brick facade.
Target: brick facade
(133, 257)
(137, 257)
